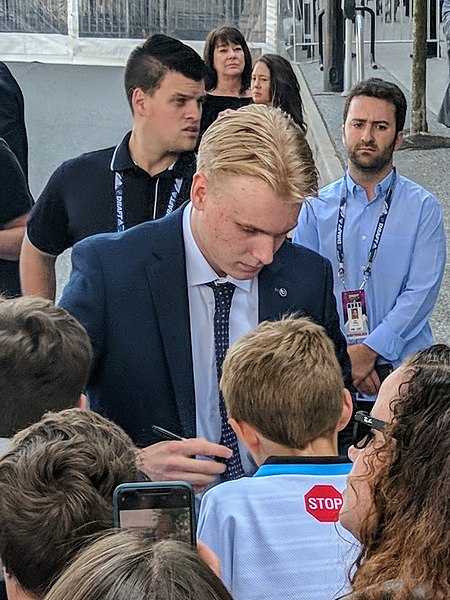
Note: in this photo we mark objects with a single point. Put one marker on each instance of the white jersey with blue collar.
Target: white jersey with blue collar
(276, 532)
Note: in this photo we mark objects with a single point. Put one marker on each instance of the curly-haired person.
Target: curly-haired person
(396, 501)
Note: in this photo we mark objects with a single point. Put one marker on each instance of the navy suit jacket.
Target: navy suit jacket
(130, 292)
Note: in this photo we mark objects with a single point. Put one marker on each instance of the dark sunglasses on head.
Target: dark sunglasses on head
(363, 429)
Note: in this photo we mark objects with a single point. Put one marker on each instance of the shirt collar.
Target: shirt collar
(198, 270)
(381, 187)
(121, 161)
(304, 465)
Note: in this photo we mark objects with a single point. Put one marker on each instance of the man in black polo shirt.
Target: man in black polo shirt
(145, 177)
(12, 117)
(15, 204)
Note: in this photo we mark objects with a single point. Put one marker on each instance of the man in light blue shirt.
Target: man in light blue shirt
(384, 236)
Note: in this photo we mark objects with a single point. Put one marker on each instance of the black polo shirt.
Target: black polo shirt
(15, 201)
(80, 197)
(12, 117)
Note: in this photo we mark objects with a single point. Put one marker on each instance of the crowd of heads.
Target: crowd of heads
(59, 475)
(272, 80)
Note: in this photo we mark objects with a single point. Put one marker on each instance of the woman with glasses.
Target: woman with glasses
(397, 502)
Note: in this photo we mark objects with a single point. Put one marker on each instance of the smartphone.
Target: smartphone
(167, 509)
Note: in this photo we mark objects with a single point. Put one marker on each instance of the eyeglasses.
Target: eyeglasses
(364, 427)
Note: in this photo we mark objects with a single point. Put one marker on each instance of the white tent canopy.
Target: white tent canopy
(104, 32)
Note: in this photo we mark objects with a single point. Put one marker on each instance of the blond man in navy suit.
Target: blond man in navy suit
(143, 295)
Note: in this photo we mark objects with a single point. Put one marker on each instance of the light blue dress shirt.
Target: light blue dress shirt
(243, 318)
(268, 544)
(407, 270)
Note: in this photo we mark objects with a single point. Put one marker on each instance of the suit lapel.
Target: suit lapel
(166, 274)
(274, 290)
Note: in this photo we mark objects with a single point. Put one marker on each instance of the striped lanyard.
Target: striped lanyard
(118, 188)
(377, 235)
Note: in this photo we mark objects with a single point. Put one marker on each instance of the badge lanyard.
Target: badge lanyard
(118, 188)
(377, 235)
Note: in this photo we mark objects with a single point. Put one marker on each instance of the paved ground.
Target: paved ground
(428, 167)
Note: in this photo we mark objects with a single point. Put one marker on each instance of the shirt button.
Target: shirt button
(364, 237)
(363, 268)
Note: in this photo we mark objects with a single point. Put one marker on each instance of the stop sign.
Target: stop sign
(323, 502)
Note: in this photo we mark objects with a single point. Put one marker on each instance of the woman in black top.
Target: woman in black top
(228, 58)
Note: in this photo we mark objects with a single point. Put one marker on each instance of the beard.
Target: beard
(371, 164)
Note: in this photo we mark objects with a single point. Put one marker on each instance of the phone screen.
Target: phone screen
(167, 512)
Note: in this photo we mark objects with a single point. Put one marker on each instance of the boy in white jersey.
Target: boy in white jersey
(276, 533)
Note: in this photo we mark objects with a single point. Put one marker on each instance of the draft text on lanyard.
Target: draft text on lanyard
(377, 235)
(118, 188)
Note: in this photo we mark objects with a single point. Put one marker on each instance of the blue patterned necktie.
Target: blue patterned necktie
(223, 295)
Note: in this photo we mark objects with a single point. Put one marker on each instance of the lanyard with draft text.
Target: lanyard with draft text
(118, 188)
(354, 301)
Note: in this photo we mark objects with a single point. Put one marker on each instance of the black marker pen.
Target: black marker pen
(166, 434)
(169, 435)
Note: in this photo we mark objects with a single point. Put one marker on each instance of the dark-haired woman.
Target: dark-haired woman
(274, 83)
(229, 63)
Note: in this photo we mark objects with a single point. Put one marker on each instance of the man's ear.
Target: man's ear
(399, 140)
(347, 410)
(82, 403)
(247, 434)
(138, 101)
(199, 190)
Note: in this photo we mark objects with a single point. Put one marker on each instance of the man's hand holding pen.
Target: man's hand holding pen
(176, 460)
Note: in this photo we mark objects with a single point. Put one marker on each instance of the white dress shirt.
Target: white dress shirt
(243, 318)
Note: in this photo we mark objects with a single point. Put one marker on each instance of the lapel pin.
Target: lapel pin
(281, 292)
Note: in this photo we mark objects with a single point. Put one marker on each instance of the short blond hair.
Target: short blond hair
(262, 142)
(284, 379)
